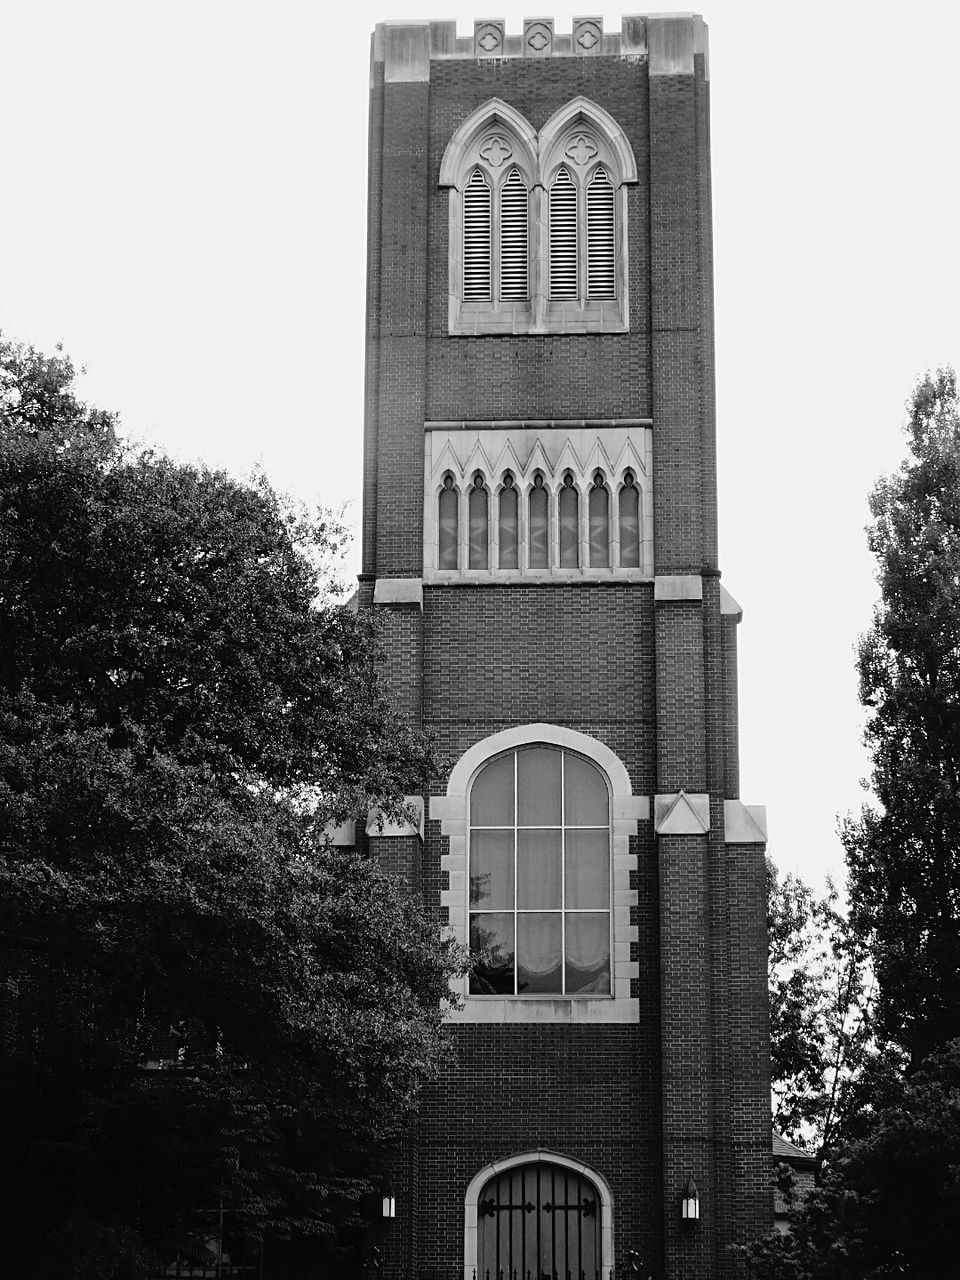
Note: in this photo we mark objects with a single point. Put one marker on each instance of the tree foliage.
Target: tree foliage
(904, 858)
(183, 709)
(821, 1023)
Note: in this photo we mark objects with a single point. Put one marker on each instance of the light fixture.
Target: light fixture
(690, 1203)
(389, 1199)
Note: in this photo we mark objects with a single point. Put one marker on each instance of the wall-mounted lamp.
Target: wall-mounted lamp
(690, 1203)
(389, 1199)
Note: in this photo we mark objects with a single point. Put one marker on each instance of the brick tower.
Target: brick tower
(540, 544)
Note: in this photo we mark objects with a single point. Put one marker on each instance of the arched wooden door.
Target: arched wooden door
(539, 1221)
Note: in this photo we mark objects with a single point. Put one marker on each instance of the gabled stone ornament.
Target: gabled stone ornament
(587, 35)
(537, 37)
(489, 37)
(744, 823)
(681, 814)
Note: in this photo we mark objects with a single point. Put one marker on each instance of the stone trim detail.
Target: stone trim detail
(626, 811)
(523, 450)
(381, 826)
(677, 587)
(537, 37)
(728, 606)
(479, 1181)
(399, 591)
(681, 814)
(744, 823)
(489, 38)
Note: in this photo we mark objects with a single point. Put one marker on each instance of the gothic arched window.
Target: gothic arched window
(629, 523)
(564, 282)
(601, 243)
(569, 512)
(509, 524)
(476, 239)
(599, 517)
(539, 875)
(448, 512)
(514, 247)
(478, 524)
(539, 525)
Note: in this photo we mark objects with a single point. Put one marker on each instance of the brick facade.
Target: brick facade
(646, 668)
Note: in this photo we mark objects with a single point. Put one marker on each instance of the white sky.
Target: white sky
(182, 195)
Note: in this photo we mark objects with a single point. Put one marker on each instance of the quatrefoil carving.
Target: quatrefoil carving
(580, 149)
(495, 150)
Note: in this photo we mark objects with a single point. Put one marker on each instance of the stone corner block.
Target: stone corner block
(744, 823)
(681, 814)
(380, 825)
(399, 591)
(342, 835)
(675, 40)
(406, 51)
(728, 606)
(677, 587)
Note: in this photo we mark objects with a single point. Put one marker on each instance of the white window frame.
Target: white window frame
(626, 810)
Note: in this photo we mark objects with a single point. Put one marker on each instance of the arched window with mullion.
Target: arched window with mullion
(629, 513)
(509, 524)
(448, 504)
(598, 512)
(477, 239)
(568, 509)
(477, 513)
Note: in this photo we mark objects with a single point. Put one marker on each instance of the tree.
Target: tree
(821, 1023)
(889, 1205)
(183, 710)
(904, 858)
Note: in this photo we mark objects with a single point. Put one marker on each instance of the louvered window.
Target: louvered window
(513, 239)
(563, 237)
(476, 239)
(601, 276)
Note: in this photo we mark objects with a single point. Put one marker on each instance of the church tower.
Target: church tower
(540, 544)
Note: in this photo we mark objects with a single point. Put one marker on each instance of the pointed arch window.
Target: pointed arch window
(449, 518)
(569, 512)
(564, 284)
(601, 245)
(509, 524)
(629, 513)
(514, 246)
(477, 239)
(477, 512)
(599, 519)
(539, 525)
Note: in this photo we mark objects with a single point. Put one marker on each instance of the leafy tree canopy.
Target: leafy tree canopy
(183, 709)
(904, 858)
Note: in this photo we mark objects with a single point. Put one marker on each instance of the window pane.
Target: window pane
(508, 528)
(587, 869)
(478, 528)
(539, 554)
(569, 528)
(538, 869)
(538, 788)
(491, 799)
(538, 952)
(588, 952)
(491, 946)
(630, 526)
(448, 528)
(599, 527)
(491, 870)
(586, 803)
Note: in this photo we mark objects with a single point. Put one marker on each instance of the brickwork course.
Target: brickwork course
(648, 670)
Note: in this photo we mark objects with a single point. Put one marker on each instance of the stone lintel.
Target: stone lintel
(379, 825)
(680, 814)
(677, 587)
(399, 591)
(744, 823)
